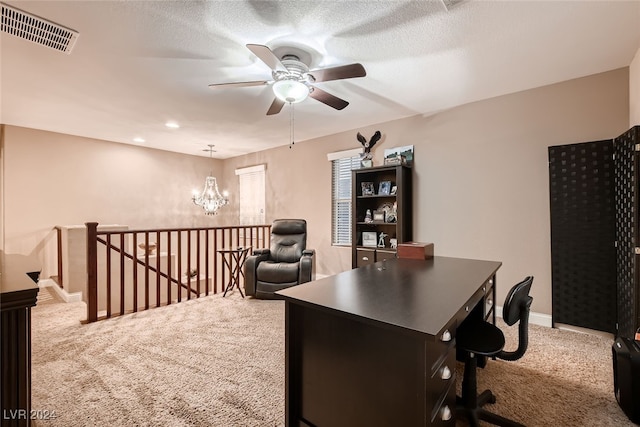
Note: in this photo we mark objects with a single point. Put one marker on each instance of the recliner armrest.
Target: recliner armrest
(250, 267)
(307, 266)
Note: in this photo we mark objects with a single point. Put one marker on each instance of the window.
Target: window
(341, 165)
(252, 195)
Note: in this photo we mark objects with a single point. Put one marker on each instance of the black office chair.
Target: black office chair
(479, 338)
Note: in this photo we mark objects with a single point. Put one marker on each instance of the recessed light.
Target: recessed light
(138, 139)
(172, 125)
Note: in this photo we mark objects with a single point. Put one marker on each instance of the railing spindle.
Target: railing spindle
(206, 261)
(158, 299)
(224, 270)
(146, 271)
(215, 261)
(108, 273)
(179, 252)
(198, 263)
(189, 263)
(169, 269)
(134, 270)
(121, 274)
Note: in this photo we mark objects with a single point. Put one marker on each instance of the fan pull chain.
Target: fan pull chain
(291, 126)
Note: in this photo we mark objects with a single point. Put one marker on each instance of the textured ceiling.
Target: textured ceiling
(137, 64)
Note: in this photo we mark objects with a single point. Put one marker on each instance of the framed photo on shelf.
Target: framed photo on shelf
(368, 189)
(378, 215)
(385, 188)
(405, 154)
(369, 238)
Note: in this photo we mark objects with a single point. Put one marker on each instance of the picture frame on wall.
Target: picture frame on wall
(385, 188)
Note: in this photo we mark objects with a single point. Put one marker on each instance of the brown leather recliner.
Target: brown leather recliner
(286, 263)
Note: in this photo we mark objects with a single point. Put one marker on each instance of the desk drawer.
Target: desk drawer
(489, 302)
(382, 255)
(365, 257)
(443, 412)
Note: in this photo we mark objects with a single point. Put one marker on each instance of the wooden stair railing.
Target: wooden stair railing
(107, 254)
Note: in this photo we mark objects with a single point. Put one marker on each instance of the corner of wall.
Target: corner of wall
(634, 90)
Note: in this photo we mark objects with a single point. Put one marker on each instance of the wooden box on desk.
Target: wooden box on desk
(415, 250)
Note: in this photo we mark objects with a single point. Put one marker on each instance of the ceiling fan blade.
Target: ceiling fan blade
(267, 56)
(338, 73)
(239, 84)
(327, 98)
(276, 106)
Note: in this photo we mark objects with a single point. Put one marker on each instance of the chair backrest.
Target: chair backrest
(288, 239)
(517, 296)
(516, 308)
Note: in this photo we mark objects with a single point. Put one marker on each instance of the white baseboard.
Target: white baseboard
(66, 296)
(534, 318)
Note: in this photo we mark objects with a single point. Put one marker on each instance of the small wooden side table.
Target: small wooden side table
(234, 259)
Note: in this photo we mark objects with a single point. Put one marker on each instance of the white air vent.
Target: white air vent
(37, 30)
(448, 4)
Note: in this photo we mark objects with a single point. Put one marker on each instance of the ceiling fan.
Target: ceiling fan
(293, 82)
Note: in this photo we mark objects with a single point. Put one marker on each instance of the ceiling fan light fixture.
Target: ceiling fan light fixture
(291, 91)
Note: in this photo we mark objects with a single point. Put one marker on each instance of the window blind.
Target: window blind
(341, 198)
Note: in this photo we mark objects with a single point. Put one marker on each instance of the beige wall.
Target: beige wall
(480, 178)
(634, 91)
(54, 179)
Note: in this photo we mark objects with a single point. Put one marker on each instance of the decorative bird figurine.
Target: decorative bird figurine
(366, 154)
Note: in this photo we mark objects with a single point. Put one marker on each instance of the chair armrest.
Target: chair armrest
(250, 267)
(307, 266)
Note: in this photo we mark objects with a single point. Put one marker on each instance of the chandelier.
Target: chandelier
(210, 199)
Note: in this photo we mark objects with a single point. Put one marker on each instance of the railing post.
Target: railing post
(92, 271)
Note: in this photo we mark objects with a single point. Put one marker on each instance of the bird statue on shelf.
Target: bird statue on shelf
(367, 154)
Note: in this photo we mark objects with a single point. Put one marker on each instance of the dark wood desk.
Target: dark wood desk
(375, 346)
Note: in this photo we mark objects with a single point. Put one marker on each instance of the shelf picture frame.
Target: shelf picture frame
(405, 153)
(378, 215)
(385, 188)
(368, 189)
(369, 238)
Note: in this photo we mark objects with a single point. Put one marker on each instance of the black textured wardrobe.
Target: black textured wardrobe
(593, 191)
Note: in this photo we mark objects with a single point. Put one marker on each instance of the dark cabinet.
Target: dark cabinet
(381, 212)
(15, 319)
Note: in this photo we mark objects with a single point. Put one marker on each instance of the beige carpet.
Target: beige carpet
(220, 362)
